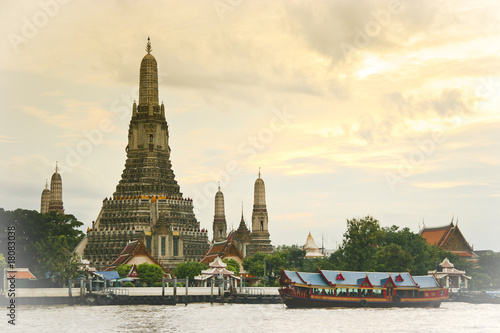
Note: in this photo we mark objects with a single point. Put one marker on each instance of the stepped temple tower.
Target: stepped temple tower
(260, 241)
(147, 203)
(52, 199)
(219, 225)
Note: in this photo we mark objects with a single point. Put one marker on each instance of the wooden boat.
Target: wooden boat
(359, 289)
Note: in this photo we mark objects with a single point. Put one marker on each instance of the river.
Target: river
(203, 317)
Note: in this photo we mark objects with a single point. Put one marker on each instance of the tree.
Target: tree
(189, 269)
(232, 265)
(392, 258)
(255, 264)
(358, 249)
(149, 273)
(123, 270)
(56, 261)
(424, 256)
(32, 227)
(3, 263)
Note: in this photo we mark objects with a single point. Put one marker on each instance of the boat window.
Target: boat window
(401, 293)
(353, 292)
(341, 292)
(412, 293)
(421, 294)
(330, 292)
(377, 293)
(365, 292)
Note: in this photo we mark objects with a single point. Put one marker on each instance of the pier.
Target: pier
(143, 295)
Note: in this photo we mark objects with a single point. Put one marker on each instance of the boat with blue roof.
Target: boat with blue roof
(359, 289)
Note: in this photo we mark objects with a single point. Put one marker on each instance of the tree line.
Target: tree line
(366, 246)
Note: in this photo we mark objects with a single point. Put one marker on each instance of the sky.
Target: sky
(349, 108)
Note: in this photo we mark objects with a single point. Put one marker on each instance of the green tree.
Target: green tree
(189, 269)
(425, 257)
(3, 263)
(56, 261)
(123, 270)
(255, 265)
(232, 265)
(392, 258)
(33, 227)
(149, 273)
(359, 246)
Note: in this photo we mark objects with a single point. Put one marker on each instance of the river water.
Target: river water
(203, 317)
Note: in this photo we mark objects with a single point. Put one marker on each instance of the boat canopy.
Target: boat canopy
(325, 278)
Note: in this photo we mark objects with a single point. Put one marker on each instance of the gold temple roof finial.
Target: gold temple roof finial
(148, 46)
(259, 172)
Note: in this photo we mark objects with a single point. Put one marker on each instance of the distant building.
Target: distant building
(52, 199)
(312, 251)
(449, 238)
(450, 277)
(242, 242)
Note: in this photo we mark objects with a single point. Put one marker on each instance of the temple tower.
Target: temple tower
(219, 225)
(55, 202)
(260, 241)
(44, 206)
(242, 236)
(147, 203)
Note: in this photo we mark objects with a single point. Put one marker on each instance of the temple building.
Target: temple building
(450, 277)
(449, 238)
(52, 199)
(242, 242)
(312, 251)
(147, 203)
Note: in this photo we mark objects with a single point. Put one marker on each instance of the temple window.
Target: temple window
(261, 225)
(176, 246)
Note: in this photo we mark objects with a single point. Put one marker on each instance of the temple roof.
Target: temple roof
(311, 249)
(449, 238)
(132, 249)
(21, 273)
(221, 249)
(217, 263)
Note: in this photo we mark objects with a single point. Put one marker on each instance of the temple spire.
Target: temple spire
(148, 81)
(148, 46)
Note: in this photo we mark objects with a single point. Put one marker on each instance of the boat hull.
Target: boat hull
(299, 302)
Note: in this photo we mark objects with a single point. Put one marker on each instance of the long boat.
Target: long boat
(359, 289)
